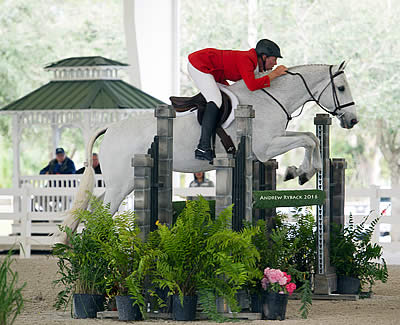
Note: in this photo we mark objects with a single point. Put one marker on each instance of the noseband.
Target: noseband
(336, 102)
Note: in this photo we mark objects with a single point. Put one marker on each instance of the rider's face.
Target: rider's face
(270, 62)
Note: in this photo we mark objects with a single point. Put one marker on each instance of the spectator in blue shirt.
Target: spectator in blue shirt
(60, 165)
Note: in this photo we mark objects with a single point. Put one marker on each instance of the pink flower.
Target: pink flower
(277, 276)
(290, 287)
(289, 278)
(281, 293)
(274, 275)
(282, 281)
(264, 283)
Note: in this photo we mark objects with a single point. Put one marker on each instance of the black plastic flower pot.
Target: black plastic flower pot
(163, 294)
(126, 309)
(256, 302)
(185, 312)
(348, 285)
(87, 306)
(242, 298)
(274, 307)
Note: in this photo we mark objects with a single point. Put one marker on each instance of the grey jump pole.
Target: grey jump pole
(337, 190)
(143, 164)
(244, 115)
(142, 173)
(223, 163)
(325, 278)
(264, 179)
(165, 115)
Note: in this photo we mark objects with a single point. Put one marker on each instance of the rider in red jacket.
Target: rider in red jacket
(209, 66)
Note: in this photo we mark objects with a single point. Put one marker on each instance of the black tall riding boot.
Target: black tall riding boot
(208, 125)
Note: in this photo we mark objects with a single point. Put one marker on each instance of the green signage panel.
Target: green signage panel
(274, 199)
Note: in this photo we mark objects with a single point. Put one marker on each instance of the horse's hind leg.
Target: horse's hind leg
(119, 180)
(114, 197)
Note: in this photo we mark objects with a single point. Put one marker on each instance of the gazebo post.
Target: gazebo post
(86, 130)
(56, 135)
(16, 133)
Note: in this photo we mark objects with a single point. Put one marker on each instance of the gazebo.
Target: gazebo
(85, 92)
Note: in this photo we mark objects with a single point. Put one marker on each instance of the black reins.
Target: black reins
(334, 94)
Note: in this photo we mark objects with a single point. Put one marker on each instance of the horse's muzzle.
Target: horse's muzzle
(353, 122)
(346, 124)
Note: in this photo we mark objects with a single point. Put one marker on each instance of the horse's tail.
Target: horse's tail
(84, 193)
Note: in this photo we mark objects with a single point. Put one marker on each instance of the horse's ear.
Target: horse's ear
(342, 66)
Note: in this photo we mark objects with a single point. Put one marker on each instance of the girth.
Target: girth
(199, 103)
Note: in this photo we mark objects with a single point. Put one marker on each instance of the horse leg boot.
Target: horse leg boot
(208, 126)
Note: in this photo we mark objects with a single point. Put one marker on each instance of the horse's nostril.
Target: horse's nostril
(354, 121)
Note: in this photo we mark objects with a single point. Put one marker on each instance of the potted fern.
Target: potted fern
(83, 267)
(123, 251)
(357, 260)
(199, 258)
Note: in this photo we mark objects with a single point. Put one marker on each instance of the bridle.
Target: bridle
(338, 107)
(336, 102)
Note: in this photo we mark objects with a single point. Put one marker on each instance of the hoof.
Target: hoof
(290, 173)
(303, 178)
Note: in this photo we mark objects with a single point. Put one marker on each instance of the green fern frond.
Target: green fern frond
(306, 299)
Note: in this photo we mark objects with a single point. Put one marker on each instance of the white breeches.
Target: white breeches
(206, 84)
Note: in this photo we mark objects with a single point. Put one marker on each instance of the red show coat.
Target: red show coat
(229, 65)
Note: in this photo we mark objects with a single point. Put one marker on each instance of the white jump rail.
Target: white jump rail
(184, 192)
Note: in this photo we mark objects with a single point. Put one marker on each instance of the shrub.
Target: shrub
(202, 256)
(291, 248)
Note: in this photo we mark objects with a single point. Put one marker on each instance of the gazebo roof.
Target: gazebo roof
(84, 94)
(84, 83)
(85, 61)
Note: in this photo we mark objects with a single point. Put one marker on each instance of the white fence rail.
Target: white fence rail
(377, 201)
(41, 202)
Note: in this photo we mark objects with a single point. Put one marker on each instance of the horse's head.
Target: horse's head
(336, 97)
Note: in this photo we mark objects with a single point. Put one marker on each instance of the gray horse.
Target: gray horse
(324, 84)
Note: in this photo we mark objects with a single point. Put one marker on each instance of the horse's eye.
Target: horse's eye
(341, 88)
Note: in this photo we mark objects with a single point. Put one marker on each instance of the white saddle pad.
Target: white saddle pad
(234, 101)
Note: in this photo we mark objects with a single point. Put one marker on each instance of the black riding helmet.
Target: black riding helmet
(269, 48)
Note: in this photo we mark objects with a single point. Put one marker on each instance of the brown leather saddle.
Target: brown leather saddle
(198, 102)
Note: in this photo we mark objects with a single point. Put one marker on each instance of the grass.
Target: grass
(11, 300)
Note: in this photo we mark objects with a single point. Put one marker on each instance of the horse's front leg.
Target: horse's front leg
(290, 141)
(313, 156)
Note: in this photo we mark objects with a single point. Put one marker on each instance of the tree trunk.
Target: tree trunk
(394, 174)
(388, 144)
